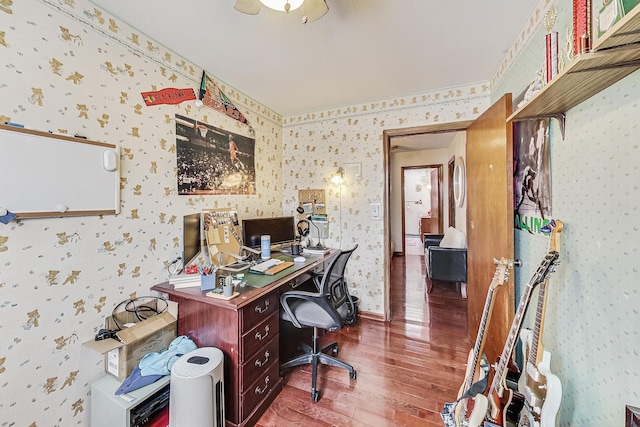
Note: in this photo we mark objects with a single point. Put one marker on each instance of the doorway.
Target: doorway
(439, 139)
(421, 205)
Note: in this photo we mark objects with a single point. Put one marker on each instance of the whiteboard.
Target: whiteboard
(49, 175)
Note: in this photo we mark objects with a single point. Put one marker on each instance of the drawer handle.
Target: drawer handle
(266, 386)
(260, 363)
(261, 310)
(260, 337)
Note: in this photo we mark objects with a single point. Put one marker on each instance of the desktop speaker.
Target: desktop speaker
(197, 389)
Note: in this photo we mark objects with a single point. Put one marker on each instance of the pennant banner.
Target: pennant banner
(169, 96)
(212, 97)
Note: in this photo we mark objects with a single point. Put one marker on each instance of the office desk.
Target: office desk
(247, 330)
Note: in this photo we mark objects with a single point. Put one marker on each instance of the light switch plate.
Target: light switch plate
(375, 210)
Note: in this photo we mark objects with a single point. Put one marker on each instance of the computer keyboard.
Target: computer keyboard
(265, 265)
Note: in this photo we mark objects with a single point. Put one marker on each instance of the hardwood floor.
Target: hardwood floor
(407, 368)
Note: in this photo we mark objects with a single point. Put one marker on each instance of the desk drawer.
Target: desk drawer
(257, 311)
(258, 363)
(258, 390)
(259, 336)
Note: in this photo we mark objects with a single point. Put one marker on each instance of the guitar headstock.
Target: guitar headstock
(551, 259)
(501, 275)
(556, 227)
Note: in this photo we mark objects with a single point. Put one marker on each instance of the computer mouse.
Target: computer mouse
(299, 259)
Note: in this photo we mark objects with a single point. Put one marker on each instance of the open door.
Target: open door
(490, 220)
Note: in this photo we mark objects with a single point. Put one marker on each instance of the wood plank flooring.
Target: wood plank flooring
(407, 368)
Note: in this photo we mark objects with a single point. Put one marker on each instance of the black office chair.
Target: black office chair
(326, 309)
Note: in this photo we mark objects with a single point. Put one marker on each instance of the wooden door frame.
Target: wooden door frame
(452, 202)
(387, 134)
(440, 206)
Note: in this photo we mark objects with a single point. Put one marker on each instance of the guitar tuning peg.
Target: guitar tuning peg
(517, 263)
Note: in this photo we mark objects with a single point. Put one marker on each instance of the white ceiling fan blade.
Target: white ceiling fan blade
(315, 9)
(250, 7)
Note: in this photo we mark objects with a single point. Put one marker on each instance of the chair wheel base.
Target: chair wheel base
(353, 375)
(315, 395)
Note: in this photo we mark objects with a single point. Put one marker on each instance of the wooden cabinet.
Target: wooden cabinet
(614, 56)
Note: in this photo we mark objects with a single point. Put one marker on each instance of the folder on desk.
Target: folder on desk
(278, 267)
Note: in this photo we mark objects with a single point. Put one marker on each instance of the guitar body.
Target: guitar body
(475, 412)
(540, 409)
(471, 411)
(506, 408)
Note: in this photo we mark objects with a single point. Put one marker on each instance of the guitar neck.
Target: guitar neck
(500, 276)
(500, 372)
(477, 347)
(535, 352)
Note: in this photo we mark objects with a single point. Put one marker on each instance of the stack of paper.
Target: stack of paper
(184, 280)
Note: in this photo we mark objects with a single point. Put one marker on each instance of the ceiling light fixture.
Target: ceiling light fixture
(312, 9)
(282, 5)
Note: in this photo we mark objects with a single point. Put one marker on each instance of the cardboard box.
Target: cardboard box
(124, 354)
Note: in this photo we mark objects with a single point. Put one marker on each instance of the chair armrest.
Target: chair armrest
(432, 240)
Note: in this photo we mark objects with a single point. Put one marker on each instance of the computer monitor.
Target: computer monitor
(281, 230)
(191, 237)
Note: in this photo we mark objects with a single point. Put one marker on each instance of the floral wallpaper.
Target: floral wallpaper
(72, 69)
(316, 144)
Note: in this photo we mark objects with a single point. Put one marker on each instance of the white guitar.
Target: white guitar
(471, 404)
(541, 389)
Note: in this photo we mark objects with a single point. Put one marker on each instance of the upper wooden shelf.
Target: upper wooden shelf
(615, 55)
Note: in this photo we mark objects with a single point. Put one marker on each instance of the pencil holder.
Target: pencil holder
(207, 282)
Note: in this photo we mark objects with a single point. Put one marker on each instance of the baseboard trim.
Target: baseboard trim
(371, 316)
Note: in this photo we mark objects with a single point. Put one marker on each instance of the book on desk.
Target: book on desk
(270, 266)
(184, 280)
(316, 251)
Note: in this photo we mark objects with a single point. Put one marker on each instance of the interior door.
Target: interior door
(490, 220)
(436, 201)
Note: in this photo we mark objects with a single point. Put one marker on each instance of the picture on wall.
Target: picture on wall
(212, 160)
(532, 174)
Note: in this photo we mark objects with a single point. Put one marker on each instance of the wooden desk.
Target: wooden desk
(247, 330)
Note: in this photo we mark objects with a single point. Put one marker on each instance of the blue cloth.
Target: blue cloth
(160, 363)
(6, 219)
(136, 380)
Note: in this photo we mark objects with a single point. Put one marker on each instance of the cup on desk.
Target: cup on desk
(265, 246)
(295, 249)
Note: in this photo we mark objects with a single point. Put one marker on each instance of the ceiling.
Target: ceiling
(360, 51)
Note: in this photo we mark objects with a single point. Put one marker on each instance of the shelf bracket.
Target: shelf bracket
(560, 117)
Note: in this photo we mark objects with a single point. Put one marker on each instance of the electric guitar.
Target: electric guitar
(471, 404)
(541, 389)
(505, 405)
